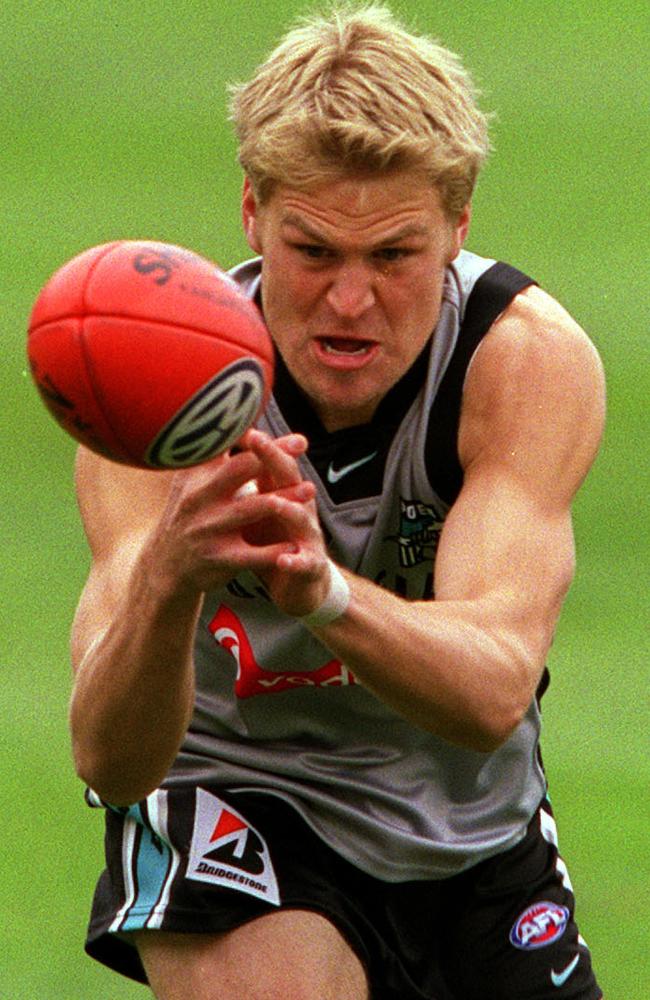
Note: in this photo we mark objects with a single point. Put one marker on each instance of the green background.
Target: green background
(114, 125)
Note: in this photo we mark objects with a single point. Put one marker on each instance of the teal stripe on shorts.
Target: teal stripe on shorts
(153, 866)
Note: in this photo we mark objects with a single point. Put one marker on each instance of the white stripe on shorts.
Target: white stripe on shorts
(157, 803)
(128, 845)
(549, 833)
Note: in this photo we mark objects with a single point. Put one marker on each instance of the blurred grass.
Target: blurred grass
(114, 125)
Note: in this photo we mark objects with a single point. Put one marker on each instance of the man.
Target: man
(319, 781)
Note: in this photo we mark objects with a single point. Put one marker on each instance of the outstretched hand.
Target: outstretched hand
(246, 510)
(299, 578)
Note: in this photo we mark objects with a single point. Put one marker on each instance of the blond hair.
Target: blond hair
(355, 92)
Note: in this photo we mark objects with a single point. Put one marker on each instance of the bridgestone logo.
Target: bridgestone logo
(230, 876)
(227, 851)
(212, 420)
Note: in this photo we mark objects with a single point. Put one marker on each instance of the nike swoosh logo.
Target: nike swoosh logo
(560, 978)
(333, 475)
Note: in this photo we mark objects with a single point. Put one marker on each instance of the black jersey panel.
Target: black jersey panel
(492, 293)
(350, 462)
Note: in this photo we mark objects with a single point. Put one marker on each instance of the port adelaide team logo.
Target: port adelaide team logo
(227, 851)
(539, 926)
(419, 531)
(213, 419)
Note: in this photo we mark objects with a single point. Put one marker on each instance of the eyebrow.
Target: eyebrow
(410, 229)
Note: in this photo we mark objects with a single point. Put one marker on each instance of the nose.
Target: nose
(351, 293)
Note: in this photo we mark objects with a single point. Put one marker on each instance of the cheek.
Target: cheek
(414, 307)
(287, 307)
(293, 299)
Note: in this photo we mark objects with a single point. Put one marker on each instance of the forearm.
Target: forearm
(444, 665)
(133, 694)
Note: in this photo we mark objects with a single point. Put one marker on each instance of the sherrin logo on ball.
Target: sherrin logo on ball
(149, 354)
(213, 419)
(539, 926)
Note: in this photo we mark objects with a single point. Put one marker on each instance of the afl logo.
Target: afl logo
(538, 926)
(212, 420)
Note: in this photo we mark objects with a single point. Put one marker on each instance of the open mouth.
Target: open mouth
(346, 347)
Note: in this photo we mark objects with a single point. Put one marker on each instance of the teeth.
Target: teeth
(332, 349)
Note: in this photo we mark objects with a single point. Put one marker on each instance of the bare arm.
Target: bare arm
(130, 644)
(467, 665)
(158, 541)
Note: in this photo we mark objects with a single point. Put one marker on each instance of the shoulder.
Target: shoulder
(536, 374)
(117, 501)
(536, 340)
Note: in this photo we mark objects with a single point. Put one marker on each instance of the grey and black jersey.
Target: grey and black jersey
(277, 713)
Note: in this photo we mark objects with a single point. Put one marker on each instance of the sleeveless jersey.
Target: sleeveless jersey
(277, 713)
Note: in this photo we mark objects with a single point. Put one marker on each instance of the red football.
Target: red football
(149, 354)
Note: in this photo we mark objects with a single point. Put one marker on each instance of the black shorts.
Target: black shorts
(207, 860)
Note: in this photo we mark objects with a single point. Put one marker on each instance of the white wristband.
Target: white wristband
(335, 603)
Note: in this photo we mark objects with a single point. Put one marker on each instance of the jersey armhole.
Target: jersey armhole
(492, 293)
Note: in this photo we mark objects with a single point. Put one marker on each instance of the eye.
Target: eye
(390, 255)
(313, 251)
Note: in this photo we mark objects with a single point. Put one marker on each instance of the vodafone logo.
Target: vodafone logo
(212, 419)
(538, 926)
(253, 679)
(227, 851)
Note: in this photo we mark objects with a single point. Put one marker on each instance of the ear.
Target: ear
(249, 211)
(459, 231)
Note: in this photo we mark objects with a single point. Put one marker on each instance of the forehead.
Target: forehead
(359, 210)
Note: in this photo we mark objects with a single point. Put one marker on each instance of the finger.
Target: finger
(289, 516)
(293, 444)
(241, 556)
(216, 480)
(302, 561)
(278, 459)
(302, 492)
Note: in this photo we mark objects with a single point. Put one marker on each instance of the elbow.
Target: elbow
(482, 731)
(114, 781)
(513, 688)
(487, 735)
(121, 765)
(494, 731)
(484, 736)
(496, 719)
